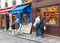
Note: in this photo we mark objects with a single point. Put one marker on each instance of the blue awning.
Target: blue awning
(19, 9)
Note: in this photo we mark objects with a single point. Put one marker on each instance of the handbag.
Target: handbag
(34, 24)
(44, 27)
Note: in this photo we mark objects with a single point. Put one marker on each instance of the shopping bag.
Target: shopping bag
(34, 24)
(44, 27)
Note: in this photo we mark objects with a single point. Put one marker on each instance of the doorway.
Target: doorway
(3, 21)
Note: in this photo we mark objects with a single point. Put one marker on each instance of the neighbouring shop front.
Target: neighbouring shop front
(4, 18)
(24, 14)
(51, 12)
(2, 21)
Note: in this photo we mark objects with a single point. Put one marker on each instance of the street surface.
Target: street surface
(7, 37)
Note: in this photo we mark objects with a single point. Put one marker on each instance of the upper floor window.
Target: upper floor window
(6, 4)
(14, 2)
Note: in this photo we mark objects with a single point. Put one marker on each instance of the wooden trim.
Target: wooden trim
(59, 14)
(46, 3)
(51, 36)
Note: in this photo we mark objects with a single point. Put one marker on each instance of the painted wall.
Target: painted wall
(3, 3)
(9, 3)
(18, 2)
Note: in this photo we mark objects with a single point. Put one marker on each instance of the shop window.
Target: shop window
(50, 14)
(3, 21)
(2, 16)
(25, 18)
(28, 18)
(14, 17)
(6, 4)
(14, 2)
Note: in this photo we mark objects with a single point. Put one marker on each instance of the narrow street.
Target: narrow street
(5, 38)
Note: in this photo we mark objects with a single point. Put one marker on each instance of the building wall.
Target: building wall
(51, 30)
(10, 3)
(18, 2)
(2, 3)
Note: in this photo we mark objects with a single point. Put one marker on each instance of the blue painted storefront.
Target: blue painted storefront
(23, 9)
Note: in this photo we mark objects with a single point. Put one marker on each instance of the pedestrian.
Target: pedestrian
(7, 23)
(42, 25)
(37, 21)
(15, 26)
(17, 23)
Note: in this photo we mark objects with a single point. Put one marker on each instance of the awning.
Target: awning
(6, 11)
(19, 9)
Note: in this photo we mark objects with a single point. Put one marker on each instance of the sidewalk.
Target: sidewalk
(32, 37)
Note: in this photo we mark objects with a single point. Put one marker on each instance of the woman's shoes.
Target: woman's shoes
(42, 35)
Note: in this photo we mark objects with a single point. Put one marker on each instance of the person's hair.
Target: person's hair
(38, 10)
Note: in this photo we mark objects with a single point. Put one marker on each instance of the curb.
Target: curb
(25, 38)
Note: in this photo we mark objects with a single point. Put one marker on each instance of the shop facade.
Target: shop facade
(50, 10)
(4, 18)
(2, 21)
(24, 14)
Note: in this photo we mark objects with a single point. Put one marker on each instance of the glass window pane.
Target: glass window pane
(23, 18)
(50, 14)
(14, 2)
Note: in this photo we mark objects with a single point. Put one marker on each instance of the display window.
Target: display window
(14, 17)
(25, 18)
(3, 21)
(50, 14)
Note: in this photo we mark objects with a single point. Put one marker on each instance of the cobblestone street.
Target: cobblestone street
(12, 39)
(6, 37)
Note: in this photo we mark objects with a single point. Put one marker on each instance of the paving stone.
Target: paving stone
(5, 37)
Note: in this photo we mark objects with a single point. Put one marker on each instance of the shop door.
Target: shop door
(26, 26)
(3, 21)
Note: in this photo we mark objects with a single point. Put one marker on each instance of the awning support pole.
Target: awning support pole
(10, 25)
